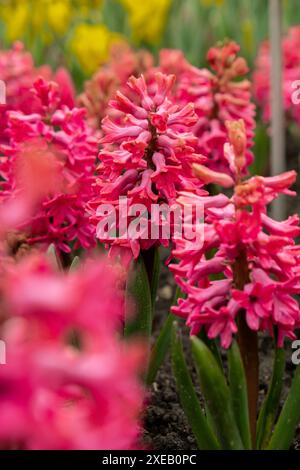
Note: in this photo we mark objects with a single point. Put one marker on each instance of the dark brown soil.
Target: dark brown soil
(166, 427)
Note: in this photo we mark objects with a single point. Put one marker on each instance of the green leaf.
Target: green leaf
(138, 296)
(75, 263)
(270, 405)
(162, 344)
(160, 349)
(154, 280)
(217, 396)
(205, 437)
(212, 345)
(54, 257)
(289, 418)
(239, 395)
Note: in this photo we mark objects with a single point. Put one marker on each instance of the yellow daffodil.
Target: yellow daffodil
(91, 44)
(59, 15)
(29, 18)
(15, 17)
(147, 19)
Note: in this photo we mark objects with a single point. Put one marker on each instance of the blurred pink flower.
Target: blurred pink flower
(69, 382)
(55, 133)
(18, 72)
(291, 74)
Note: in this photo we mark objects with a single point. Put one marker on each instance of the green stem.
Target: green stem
(138, 308)
(238, 391)
(152, 264)
(248, 343)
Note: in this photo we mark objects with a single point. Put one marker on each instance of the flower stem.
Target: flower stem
(248, 343)
(152, 263)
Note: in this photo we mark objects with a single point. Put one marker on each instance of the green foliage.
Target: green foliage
(217, 396)
(138, 302)
(238, 392)
(204, 435)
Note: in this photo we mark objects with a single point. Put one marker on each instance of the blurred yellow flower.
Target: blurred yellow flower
(15, 18)
(91, 44)
(147, 19)
(25, 18)
(210, 3)
(59, 15)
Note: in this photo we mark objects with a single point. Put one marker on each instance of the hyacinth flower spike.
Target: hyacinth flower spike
(147, 157)
(241, 281)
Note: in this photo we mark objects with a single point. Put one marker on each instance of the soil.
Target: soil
(166, 427)
(165, 424)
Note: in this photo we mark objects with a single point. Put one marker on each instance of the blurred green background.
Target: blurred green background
(78, 33)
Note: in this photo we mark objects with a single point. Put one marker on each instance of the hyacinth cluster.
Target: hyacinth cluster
(291, 73)
(18, 73)
(110, 78)
(248, 263)
(147, 154)
(69, 381)
(51, 139)
(139, 135)
(219, 95)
